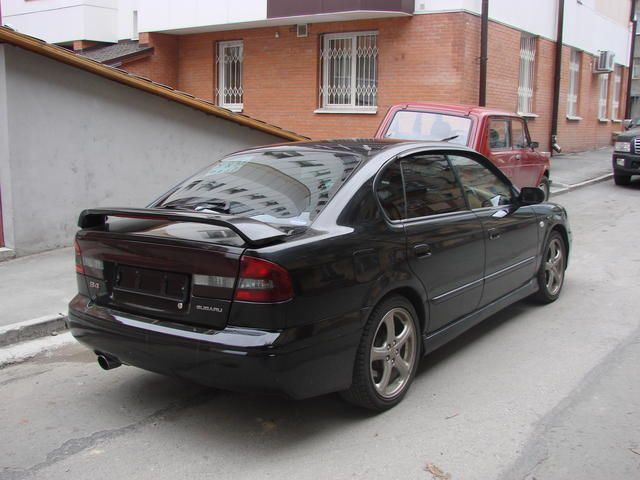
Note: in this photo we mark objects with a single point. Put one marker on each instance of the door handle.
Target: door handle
(494, 234)
(422, 250)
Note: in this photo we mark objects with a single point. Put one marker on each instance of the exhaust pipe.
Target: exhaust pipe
(107, 362)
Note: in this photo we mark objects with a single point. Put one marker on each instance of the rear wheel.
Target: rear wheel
(387, 356)
(622, 179)
(545, 187)
(551, 272)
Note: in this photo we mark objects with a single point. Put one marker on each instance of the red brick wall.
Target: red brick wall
(162, 66)
(421, 58)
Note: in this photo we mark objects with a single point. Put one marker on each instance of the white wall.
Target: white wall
(162, 15)
(71, 140)
(586, 27)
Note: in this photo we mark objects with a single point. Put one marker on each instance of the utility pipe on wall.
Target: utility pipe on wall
(556, 80)
(484, 41)
(634, 28)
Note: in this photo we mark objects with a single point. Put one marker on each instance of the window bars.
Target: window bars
(527, 74)
(349, 71)
(229, 91)
(574, 84)
(615, 101)
(604, 93)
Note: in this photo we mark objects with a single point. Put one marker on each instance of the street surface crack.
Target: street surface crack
(76, 445)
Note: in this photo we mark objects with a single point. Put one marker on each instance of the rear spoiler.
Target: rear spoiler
(253, 232)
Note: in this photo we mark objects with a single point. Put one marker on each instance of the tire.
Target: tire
(550, 275)
(622, 179)
(545, 187)
(383, 373)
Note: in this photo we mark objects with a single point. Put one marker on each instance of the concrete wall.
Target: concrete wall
(70, 140)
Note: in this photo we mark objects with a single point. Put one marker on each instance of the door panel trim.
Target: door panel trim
(440, 298)
(505, 270)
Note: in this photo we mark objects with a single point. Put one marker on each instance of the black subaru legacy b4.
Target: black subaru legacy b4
(314, 267)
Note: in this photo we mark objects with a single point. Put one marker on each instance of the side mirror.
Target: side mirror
(534, 145)
(530, 196)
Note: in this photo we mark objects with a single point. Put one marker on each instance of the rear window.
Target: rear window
(429, 126)
(284, 187)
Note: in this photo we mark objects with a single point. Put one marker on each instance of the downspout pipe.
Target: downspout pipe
(556, 79)
(484, 47)
(634, 29)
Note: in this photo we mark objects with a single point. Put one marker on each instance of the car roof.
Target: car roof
(365, 148)
(453, 108)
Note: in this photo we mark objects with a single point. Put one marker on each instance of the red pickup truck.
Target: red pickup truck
(501, 136)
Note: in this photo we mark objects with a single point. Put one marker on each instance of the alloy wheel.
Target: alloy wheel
(554, 266)
(393, 353)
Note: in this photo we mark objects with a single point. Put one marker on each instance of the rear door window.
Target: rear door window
(482, 187)
(430, 188)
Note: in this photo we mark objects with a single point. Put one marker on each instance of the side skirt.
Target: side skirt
(447, 333)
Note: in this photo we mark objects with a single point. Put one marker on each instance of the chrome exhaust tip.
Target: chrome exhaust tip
(107, 362)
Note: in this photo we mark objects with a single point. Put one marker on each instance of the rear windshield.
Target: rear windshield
(284, 187)
(429, 126)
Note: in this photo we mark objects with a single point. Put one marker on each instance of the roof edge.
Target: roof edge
(68, 57)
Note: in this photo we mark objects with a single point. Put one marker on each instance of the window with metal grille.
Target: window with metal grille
(615, 100)
(574, 84)
(349, 71)
(603, 97)
(229, 91)
(527, 74)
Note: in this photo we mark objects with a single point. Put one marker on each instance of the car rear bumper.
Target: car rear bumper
(299, 362)
(630, 164)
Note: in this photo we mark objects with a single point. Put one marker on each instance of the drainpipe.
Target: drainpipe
(634, 28)
(484, 41)
(556, 80)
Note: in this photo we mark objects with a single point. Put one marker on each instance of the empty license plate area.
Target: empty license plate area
(150, 283)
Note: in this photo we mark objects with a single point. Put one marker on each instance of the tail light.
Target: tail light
(262, 281)
(79, 267)
(87, 265)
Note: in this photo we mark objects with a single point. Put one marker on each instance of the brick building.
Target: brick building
(328, 68)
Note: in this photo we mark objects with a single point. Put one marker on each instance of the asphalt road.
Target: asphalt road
(533, 393)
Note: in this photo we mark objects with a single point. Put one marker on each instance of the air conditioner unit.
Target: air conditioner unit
(604, 62)
(302, 30)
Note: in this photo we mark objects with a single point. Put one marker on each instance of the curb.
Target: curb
(586, 183)
(31, 329)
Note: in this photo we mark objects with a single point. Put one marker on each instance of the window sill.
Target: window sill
(603, 120)
(528, 115)
(356, 111)
(573, 118)
(616, 120)
(233, 108)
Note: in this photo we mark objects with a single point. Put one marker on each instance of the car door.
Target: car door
(501, 152)
(528, 165)
(444, 238)
(510, 230)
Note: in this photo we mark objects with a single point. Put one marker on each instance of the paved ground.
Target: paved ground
(574, 168)
(533, 393)
(37, 285)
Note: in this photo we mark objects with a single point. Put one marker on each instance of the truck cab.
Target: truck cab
(501, 136)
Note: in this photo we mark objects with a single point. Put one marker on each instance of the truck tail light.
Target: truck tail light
(262, 281)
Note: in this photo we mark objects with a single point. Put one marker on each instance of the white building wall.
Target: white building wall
(587, 26)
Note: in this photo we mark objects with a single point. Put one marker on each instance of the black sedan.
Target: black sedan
(314, 267)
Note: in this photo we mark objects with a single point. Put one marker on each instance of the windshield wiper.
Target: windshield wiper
(449, 138)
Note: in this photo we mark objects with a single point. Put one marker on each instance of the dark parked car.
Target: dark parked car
(314, 267)
(626, 156)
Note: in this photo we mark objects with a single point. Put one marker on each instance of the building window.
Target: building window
(349, 72)
(574, 84)
(229, 91)
(134, 32)
(636, 68)
(527, 74)
(603, 97)
(617, 91)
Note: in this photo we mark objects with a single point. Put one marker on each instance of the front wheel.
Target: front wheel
(551, 273)
(387, 356)
(545, 187)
